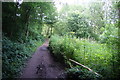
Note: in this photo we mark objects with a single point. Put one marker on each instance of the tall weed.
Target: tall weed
(95, 55)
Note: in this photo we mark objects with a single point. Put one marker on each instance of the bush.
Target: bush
(97, 56)
(78, 73)
(14, 55)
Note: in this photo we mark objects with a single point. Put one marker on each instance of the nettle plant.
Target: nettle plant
(95, 55)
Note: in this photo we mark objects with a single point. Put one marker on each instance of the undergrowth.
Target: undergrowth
(96, 56)
(79, 73)
(14, 55)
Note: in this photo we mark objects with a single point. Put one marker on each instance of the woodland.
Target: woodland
(87, 34)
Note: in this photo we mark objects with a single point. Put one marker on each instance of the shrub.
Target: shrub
(97, 56)
(78, 73)
(13, 56)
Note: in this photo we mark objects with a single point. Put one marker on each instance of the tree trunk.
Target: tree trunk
(51, 31)
(27, 32)
(48, 31)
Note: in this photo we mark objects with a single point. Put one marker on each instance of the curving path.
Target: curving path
(42, 65)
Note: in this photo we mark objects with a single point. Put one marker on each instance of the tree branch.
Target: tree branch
(84, 66)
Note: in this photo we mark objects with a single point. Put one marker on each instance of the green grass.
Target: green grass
(95, 55)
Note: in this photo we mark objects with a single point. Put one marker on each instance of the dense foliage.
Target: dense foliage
(79, 73)
(13, 55)
(90, 36)
(26, 19)
(95, 55)
(22, 32)
(87, 33)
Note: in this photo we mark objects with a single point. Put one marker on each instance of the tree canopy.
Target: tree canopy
(87, 32)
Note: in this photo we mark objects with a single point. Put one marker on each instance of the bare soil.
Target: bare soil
(42, 65)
